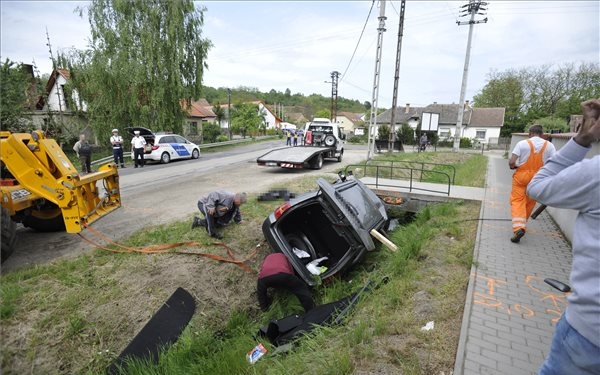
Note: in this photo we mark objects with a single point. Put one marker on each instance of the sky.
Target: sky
(296, 45)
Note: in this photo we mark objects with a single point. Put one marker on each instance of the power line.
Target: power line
(359, 39)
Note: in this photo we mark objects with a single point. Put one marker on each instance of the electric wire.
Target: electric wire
(359, 39)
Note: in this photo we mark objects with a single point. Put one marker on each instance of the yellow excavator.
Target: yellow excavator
(43, 190)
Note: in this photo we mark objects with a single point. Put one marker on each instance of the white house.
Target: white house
(58, 100)
(480, 124)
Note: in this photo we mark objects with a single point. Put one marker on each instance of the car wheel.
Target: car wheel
(301, 242)
(195, 154)
(317, 162)
(329, 140)
(339, 158)
(165, 158)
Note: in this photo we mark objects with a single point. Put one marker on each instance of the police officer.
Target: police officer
(117, 145)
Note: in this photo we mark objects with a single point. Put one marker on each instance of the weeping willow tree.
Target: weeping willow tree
(145, 63)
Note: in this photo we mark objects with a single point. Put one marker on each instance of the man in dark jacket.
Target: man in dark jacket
(277, 272)
(219, 208)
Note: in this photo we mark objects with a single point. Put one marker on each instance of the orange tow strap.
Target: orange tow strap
(162, 248)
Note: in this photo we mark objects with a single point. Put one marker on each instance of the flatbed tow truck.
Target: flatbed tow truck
(322, 140)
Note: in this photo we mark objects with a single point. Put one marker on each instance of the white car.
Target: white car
(165, 147)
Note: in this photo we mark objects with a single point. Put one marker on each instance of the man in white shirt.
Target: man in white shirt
(528, 156)
(117, 145)
(137, 149)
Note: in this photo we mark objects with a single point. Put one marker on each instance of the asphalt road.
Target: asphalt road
(159, 194)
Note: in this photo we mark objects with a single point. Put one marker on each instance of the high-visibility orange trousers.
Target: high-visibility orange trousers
(521, 205)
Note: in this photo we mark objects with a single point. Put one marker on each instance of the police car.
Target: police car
(165, 147)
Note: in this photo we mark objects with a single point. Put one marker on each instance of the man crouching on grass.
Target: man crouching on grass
(219, 208)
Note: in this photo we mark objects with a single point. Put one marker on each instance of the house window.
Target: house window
(193, 128)
(480, 134)
(444, 133)
(64, 93)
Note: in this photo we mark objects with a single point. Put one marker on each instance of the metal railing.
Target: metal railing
(394, 176)
(127, 154)
(422, 166)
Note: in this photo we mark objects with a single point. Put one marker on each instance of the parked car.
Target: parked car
(333, 222)
(165, 147)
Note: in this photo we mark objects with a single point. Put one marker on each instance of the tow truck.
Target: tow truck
(41, 188)
(322, 140)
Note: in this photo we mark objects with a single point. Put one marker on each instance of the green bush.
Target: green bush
(222, 138)
(356, 139)
(466, 143)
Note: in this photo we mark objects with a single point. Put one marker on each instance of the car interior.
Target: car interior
(311, 230)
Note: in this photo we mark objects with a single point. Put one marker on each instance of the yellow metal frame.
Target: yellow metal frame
(42, 168)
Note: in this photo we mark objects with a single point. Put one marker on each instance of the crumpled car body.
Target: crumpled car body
(333, 222)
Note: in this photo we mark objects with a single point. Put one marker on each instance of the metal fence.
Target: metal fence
(412, 176)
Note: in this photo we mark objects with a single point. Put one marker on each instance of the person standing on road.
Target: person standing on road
(83, 149)
(117, 145)
(296, 138)
(288, 135)
(423, 142)
(528, 156)
(277, 272)
(572, 182)
(137, 149)
(219, 208)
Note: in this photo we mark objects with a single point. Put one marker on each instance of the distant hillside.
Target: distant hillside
(297, 105)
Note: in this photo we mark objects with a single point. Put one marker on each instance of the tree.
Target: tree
(146, 62)
(323, 113)
(406, 134)
(210, 132)
(383, 132)
(539, 92)
(219, 113)
(14, 86)
(246, 119)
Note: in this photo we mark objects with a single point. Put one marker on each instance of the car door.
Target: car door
(182, 147)
(361, 206)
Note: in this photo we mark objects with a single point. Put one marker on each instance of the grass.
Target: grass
(75, 316)
(434, 167)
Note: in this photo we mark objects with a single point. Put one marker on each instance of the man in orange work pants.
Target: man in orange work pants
(528, 156)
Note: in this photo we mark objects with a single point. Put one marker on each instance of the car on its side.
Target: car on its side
(164, 147)
(333, 222)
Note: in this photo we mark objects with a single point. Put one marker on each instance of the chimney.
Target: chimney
(407, 108)
(434, 102)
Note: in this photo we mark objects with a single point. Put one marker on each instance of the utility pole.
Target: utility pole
(334, 95)
(473, 8)
(229, 112)
(392, 136)
(372, 120)
(56, 74)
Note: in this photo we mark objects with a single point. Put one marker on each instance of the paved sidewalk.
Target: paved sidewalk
(510, 313)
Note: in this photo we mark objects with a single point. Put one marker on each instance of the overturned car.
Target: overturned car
(325, 232)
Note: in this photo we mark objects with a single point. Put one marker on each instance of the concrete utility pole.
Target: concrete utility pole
(229, 113)
(372, 120)
(473, 8)
(392, 137)
(334, 95)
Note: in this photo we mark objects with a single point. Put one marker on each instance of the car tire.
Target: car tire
(317, 162)
(330, 140)
(195, 153)
(339, 158)
(300, 241)
(165, 158)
